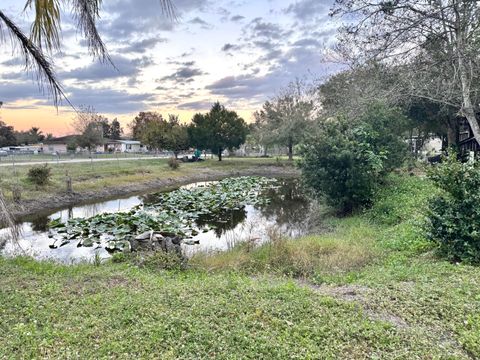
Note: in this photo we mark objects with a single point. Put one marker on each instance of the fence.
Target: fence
(18, 158)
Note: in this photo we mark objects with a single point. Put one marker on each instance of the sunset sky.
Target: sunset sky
(237, 52)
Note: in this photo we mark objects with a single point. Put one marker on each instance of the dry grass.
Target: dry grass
(7, 220)
(350, 248)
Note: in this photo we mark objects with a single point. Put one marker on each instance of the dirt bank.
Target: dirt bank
(54, 202)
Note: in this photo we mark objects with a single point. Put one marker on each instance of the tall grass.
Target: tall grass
(349, 248)
(6, 219)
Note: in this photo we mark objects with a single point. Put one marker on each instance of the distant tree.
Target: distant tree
(259, 134)
(286, 119)
(88, 124)
(141, 122)
(36, 134)
(176, 137)
(154, 134)
(72, 145)
(218, 130)
(104, 124)
(7, 135)
(115, 130)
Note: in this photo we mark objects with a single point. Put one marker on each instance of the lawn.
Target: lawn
(367, 287)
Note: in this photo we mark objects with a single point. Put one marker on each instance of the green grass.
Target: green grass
(109, 174)
(114, 311)
(369, 288)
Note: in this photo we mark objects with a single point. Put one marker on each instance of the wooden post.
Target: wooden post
(16, 194)
(68, 181)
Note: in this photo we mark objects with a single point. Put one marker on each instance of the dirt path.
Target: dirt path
(54, 202)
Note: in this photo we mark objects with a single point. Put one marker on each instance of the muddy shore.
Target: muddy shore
(51, 203)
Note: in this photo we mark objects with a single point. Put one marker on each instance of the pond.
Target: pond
(212, 216)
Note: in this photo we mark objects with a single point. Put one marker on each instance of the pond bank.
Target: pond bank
(57, 201)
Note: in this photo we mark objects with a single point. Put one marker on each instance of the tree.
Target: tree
(344, 161)
(286, 119)
(115, 130)
(176, 135)
(142, 121)
(7, 135)
(351, 92)
(218, 130)
(436, 39)
(32, 136)
(90, 126)
(45, 35)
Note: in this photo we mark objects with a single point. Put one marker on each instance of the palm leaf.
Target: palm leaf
(34, 59)
(46, 25)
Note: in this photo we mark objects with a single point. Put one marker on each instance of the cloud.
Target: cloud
(243, 86)
(106, 100)
(185, 73)
(309, 9)
(203, 24)
(140, 17)
(196, 105)
(11, 92)
(124, 67)
(142, 46)
(228, 47)
(237, 18)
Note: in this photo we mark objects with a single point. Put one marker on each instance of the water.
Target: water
(287, 213)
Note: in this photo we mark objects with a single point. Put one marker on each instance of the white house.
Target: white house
(124, 146)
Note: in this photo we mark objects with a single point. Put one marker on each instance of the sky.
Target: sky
(238, 52)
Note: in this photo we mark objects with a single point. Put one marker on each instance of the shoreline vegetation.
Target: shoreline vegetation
(369, 286)
(107, 180)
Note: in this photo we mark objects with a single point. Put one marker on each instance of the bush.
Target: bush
(454, 214)
(345, 162)
(39, 175)
(173, 163)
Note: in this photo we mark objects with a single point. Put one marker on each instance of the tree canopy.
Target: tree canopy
(436, 39)
(217, 130)
(285, 119)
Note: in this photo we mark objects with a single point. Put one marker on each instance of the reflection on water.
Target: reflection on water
(286, 212)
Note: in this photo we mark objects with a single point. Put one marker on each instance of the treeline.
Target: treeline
(218, 130)
(10, 137)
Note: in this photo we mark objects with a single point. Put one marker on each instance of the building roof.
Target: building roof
(61, 139)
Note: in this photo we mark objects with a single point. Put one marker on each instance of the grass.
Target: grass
(370, 288)
(53, 311)
(335, 252)
(109, 174)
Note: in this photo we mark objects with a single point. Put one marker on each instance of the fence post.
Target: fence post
(16, 194)
(68, 181)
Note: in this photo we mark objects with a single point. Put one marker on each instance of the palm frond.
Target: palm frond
(86, 13)
(168, 9)
(46, 25)
(35, 59)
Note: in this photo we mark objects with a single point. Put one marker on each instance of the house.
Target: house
(466, 140)
(59, 145)
(124, 146)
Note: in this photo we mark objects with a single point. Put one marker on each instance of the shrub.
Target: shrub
(454, 214)
(173, 163)
(345, 162)
(39, 175)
